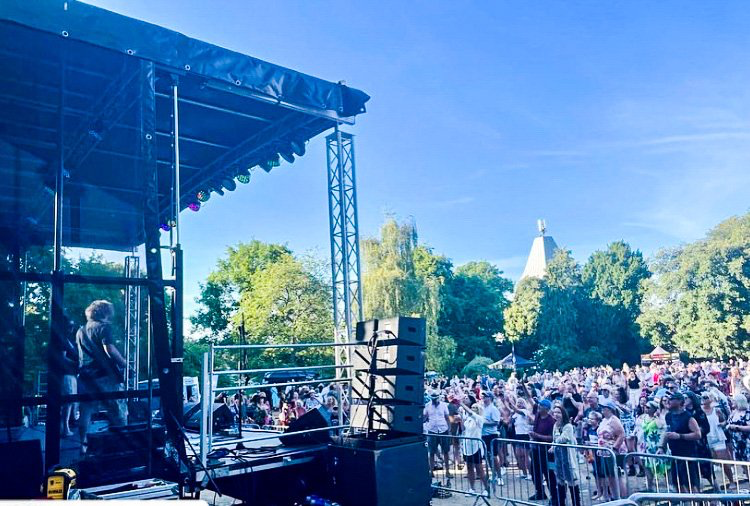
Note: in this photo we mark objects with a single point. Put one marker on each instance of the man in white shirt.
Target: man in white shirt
(437, 423)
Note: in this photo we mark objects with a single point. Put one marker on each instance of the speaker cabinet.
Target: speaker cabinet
(404, 388)
(406, 418)
(390, 359)
(313, 419)
(223, 418)
(405, 330)
(394, 476)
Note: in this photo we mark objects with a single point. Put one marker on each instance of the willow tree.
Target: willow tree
(403, 278)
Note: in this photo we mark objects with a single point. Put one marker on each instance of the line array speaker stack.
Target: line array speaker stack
(387, 403)
(388, 375)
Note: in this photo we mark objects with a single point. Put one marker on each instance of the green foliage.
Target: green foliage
(479, 365)
(580, 316)
(473, 301)
(278, 299)
(699, 298)
(403, 277)
(440, 354)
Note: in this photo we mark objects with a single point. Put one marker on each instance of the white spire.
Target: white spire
(542, 250)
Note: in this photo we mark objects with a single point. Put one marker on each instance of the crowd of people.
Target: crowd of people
(696, 410)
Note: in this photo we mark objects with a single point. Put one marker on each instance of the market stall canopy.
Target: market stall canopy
(83, 86)
(659, 354)
(512, 361)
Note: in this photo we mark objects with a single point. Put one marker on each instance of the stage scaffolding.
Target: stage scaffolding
(132, 323)
(344, 234)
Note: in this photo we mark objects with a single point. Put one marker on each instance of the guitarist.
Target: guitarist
(101, 367)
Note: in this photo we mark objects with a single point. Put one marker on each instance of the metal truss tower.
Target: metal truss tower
(132, 323)
(345, 264)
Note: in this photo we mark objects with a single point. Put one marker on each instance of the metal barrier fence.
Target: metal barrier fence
(528, 471)
(669, 473)
(667, 499)
(459, 465)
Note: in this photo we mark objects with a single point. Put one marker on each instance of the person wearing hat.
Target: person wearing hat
(543, 427)
(490, 430)
(437, 421)
(472, 450)
(683, 433)
(650, 429)
(611, 435)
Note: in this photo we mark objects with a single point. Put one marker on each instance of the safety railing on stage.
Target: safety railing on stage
(524, 472)
(670, 473)
(459, 465)
(668, 499)
(209, 378)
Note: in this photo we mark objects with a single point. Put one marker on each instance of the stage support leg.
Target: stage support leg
(344, 234)
(169, 366)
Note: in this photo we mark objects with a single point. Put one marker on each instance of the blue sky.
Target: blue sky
(611, 120)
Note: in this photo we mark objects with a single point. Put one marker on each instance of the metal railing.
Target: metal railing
(272, 431)
(459, 465)
(525, 472)
(667, 499)
(670, 473)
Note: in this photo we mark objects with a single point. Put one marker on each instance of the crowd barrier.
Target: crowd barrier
(669, 473)
(669, 499)
(525, 472)
(453, 473)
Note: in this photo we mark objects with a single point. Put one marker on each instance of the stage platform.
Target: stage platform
(259, 454)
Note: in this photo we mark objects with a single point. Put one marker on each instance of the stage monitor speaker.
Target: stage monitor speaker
(21, 469)
(403, 388)
(401, 359)
(405, 330)
(398, 475)
(406, 418)
(313, 419)
(222, 416)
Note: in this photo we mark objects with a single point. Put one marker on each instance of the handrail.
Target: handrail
(281, 369)
(277, 346)
(274, 385)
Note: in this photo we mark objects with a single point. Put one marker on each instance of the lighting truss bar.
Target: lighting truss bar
(132, 322)
(214, 108)
(344, 234)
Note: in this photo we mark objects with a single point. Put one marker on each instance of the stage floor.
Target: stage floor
(261, 452)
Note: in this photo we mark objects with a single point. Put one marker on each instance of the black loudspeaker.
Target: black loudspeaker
(400, 388)
(403, 329)
(313, 419)
(394, 476)
(406, 418)
(390, 359)
(222, 416)
(22, 469)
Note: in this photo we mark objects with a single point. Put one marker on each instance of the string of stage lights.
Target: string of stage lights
(242, 176)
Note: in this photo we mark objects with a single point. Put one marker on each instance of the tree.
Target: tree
(472, 306)
(276, 297)
(403, 278)
(478, 366)
(699, 298)
(613, 284)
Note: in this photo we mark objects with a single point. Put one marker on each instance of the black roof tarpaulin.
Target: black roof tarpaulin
(73, 76)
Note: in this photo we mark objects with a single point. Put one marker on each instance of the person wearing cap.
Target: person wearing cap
(438, 425)
(472, 450)
(681, 437)
(490, 431)
(543, 427)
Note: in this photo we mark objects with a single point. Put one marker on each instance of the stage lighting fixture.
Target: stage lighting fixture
(203, 195)
(243, 178)
(287, 155)
(165, 227)
(266, 166)
(298, 147)
(229, 184)
(194, 206)
(219, 191)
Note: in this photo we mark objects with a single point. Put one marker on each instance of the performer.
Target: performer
(101, 366)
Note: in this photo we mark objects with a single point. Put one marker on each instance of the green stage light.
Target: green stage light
(203, 195)
(243, 178)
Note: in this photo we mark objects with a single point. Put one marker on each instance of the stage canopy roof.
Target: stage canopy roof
(83, 78)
